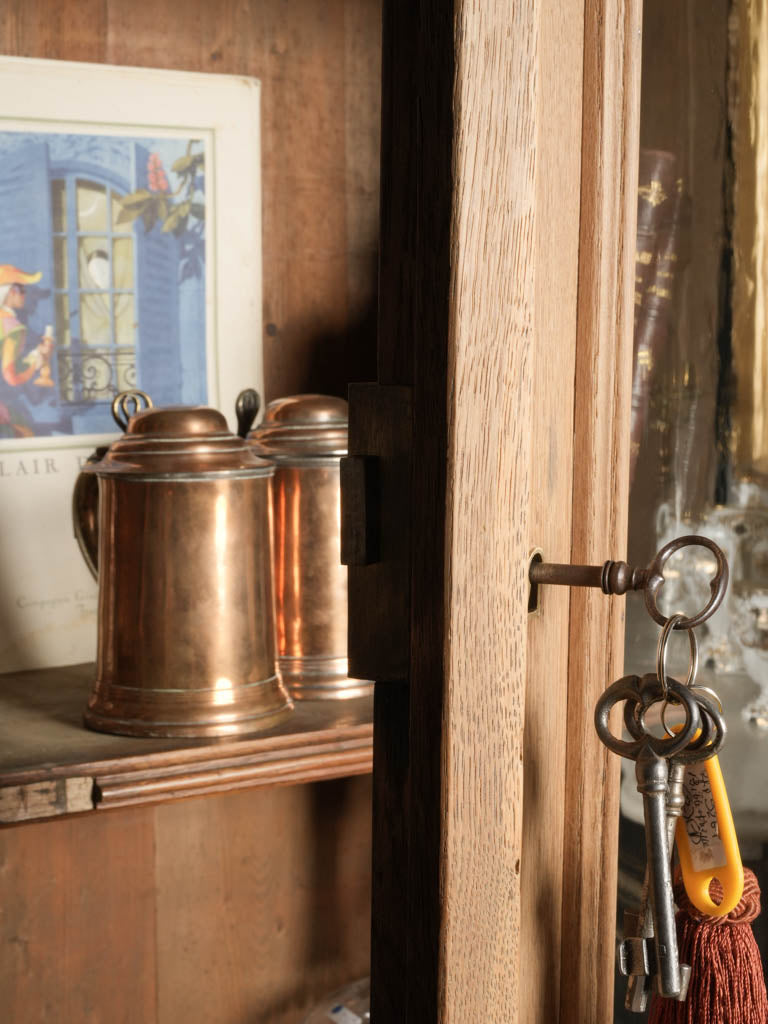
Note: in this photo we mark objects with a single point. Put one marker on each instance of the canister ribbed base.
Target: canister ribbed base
(316, 677)
(136, 711)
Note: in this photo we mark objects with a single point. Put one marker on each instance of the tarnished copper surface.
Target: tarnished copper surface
(186, 610)
(304, 436)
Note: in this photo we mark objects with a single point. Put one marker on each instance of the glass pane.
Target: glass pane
(95, 319)
(122, 263)
(116, 208)
(60, 276)
(93, 261)
(59, 205)
(91, 206)
(125, 320)
(63, 335)
(699, 421)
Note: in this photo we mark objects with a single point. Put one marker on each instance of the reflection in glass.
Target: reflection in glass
(699, 425)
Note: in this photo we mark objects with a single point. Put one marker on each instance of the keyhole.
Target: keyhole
(533, 594)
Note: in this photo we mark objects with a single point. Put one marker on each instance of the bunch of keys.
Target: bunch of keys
(648, 955)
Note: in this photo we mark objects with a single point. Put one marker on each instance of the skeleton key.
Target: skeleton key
(636, 958)
(650, 754)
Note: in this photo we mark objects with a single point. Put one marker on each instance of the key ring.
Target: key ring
(655, 581)
(674, 622)
(713, 697)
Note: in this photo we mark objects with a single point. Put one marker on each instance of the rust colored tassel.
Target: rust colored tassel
(727, 984)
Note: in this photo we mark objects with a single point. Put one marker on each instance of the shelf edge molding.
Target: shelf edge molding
(163, 779)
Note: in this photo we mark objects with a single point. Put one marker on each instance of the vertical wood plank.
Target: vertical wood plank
(263, 901)
(414, 289)
(558, 173)
(77, 920)
(511, 402)
(318, 65)
(487, 507)
(600, 493)
(517, 222)
(57, 31)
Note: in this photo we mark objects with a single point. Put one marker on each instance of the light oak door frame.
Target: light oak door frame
(509, 156)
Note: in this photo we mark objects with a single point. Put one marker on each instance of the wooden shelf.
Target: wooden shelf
(50, 764)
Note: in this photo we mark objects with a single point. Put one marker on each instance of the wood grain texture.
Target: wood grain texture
(490, 408)
(77, 921)
(50, 764)
(516, 238)
(318, 64)
(244, 907)
(600, 493)
(66, 954)
(500, 337)
(48, 799)
(558, 174)
(256, 922)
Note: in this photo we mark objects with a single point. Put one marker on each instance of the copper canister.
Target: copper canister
(186, 641)
(304, 437)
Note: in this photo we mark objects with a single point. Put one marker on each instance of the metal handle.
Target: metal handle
(247, 409)
(127, 404)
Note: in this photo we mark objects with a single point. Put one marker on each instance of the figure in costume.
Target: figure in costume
(18, 367)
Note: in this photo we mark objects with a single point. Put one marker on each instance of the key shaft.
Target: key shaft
(652, 774)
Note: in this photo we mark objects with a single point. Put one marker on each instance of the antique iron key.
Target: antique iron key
(651, 754)
(636, 953)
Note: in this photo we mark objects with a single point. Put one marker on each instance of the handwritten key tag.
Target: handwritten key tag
(706, 840)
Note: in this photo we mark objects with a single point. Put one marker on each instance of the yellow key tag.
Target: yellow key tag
(706, 840)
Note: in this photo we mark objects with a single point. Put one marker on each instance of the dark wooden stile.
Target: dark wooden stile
(508, 151)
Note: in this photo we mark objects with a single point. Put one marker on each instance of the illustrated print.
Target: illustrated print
(19, 366)
(102, 277)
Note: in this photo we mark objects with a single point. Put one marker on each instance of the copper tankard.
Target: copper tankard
(304, 437)
(178, 531)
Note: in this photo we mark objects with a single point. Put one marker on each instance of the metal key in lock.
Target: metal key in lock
(636, 955)
(650, 754)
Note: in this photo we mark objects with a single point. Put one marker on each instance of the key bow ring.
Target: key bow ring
(642, 693)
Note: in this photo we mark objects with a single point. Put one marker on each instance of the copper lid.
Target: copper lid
(180, 441)
(302, 427)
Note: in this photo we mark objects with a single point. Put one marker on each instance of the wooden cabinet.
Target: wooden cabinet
(251, 903)
(509, 156)
(508, 191)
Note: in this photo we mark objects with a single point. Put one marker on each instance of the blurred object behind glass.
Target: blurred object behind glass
(699, 425)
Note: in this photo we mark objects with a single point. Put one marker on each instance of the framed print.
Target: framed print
(130, 257)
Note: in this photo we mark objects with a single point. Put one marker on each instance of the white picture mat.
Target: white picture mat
(47, 596)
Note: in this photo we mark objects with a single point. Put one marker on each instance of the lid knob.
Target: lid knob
(127, 403)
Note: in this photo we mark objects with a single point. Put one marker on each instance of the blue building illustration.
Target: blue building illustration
(118, 238)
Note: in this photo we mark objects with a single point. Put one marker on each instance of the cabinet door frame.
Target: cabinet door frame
(509, 163)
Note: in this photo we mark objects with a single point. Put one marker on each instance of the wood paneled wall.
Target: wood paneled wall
(245, 907)
(318, 61)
